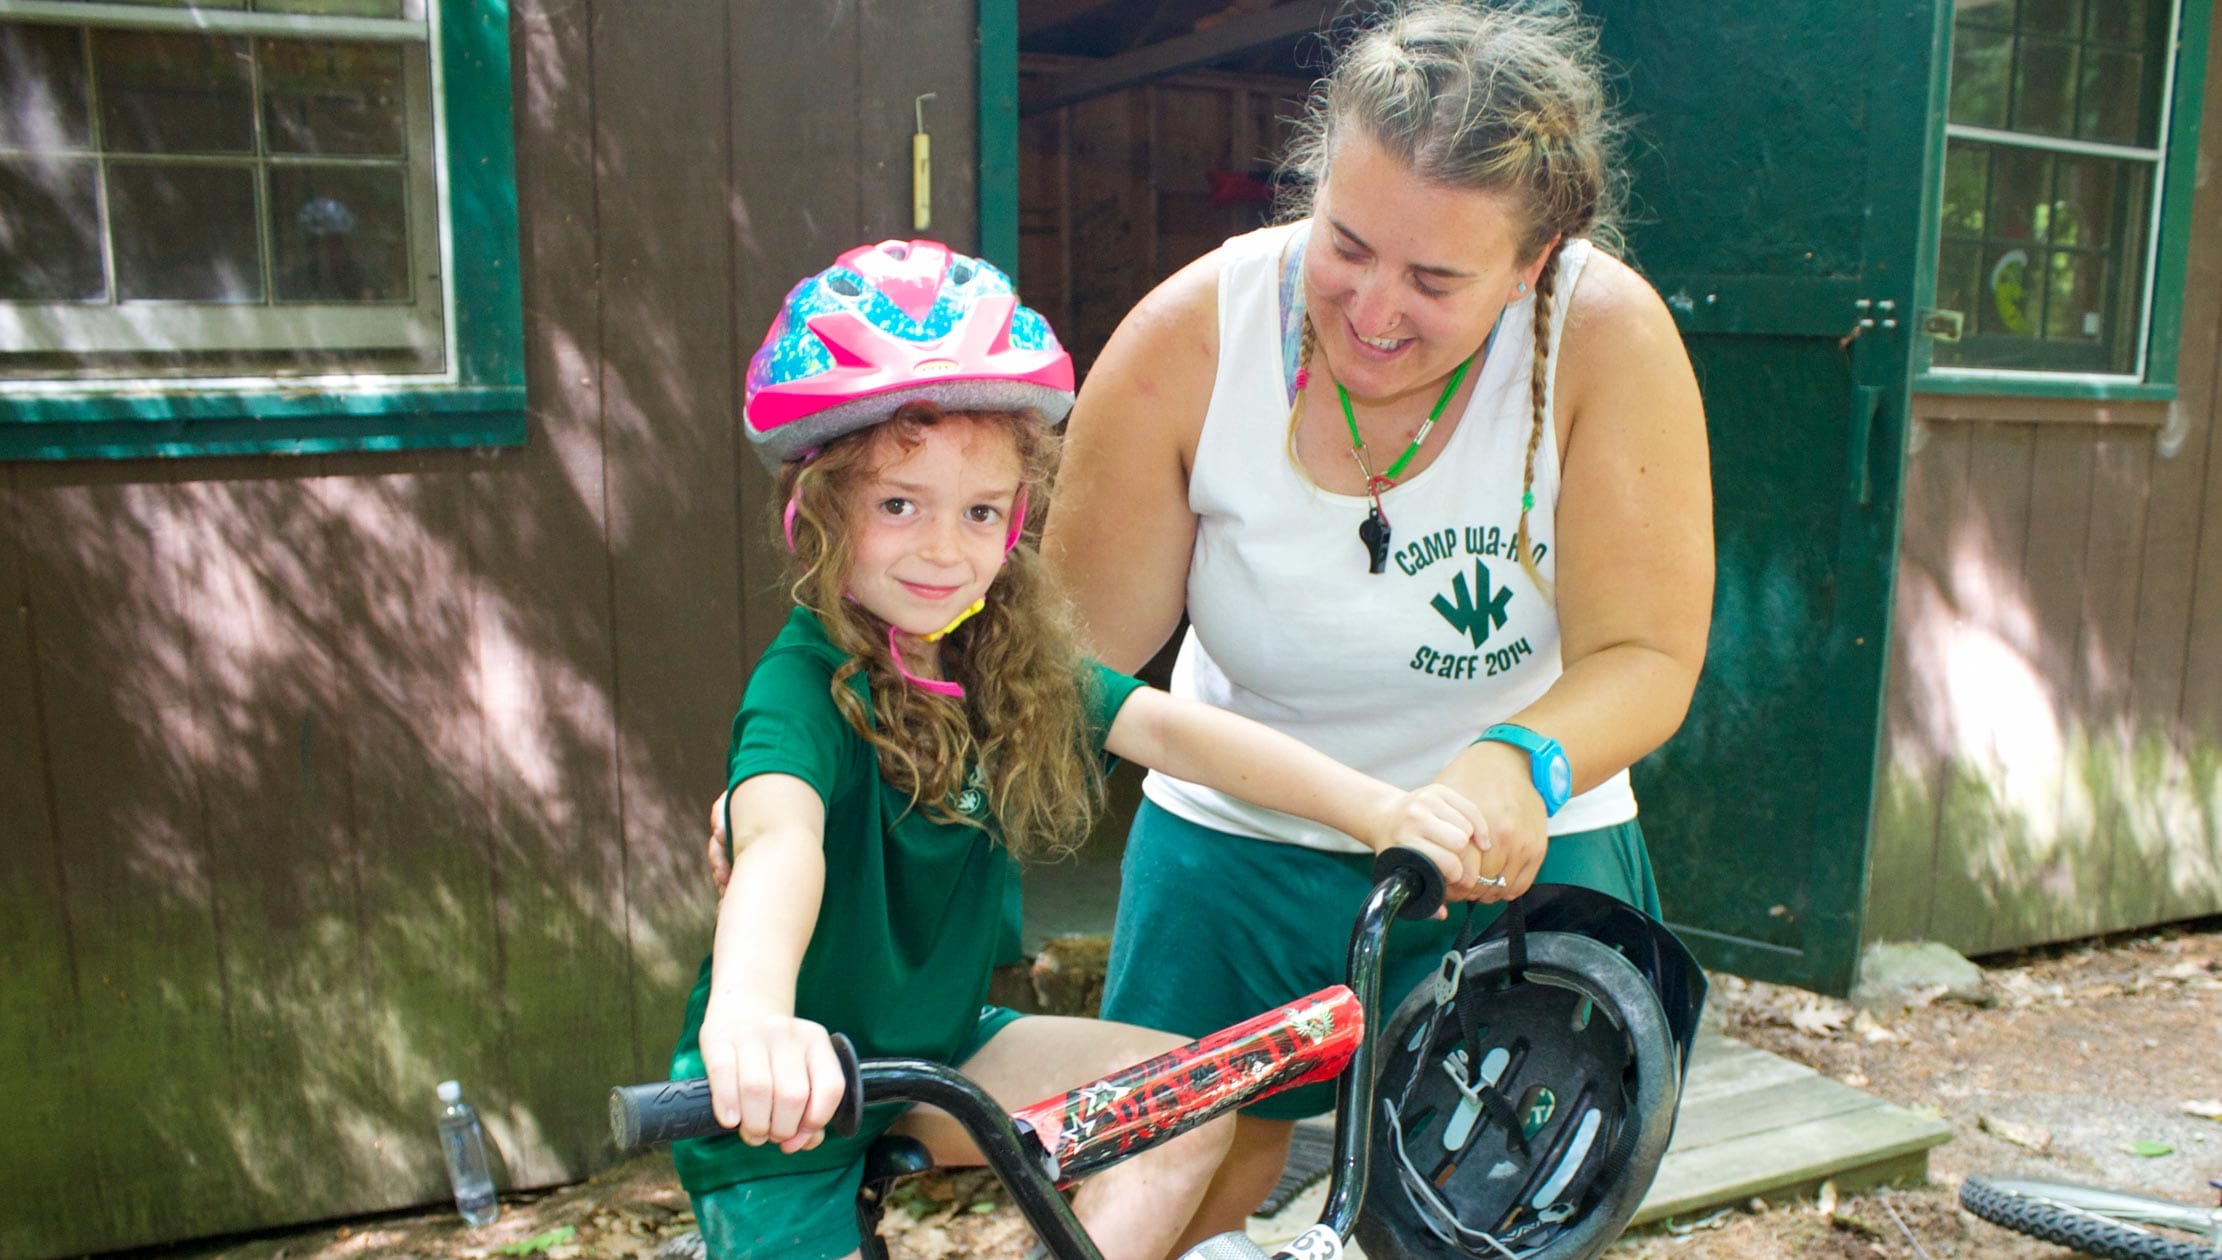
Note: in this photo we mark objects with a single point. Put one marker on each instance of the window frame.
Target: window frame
(2160, 332)
(478, 399)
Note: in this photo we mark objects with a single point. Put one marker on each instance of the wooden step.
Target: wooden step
(1757, 1124)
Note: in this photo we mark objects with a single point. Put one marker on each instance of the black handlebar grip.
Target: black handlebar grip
(661, 1111)
(850, 1113)
(1427, 881)
(667, 1111)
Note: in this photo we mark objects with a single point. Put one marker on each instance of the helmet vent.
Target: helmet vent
(845, 285)
(960, 273)
(896, 249)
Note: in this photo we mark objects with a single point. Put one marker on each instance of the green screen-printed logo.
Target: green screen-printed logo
(1536, 1109)
(1475, 621)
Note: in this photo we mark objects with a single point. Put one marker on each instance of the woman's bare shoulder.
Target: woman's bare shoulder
(1617, 324)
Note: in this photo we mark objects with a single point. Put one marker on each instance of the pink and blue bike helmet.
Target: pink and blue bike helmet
(892, 323)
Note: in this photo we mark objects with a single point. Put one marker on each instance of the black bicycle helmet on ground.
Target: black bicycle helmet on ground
(1527, 1093)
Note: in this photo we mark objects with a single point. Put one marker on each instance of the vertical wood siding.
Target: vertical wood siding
(328, 778)
(2053, 756)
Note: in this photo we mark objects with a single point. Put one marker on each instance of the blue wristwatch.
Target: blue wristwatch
(1547, 764)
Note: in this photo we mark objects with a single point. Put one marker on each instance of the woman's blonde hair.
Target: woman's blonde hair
(1502, 100)
(1023, 718)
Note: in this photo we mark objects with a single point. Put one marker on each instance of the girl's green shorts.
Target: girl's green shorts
(1213, 928)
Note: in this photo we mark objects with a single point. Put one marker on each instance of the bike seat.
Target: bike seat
(891, 1156)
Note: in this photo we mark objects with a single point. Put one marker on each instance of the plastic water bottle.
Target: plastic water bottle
(463, 1140)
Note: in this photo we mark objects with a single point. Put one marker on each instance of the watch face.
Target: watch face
(1562, 777)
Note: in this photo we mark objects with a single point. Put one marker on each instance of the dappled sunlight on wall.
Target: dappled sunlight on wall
(2039, 784)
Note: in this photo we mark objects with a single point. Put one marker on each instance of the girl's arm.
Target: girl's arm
(1635, 563)
(1253, 762)
(772, 1077)
(1121, 534)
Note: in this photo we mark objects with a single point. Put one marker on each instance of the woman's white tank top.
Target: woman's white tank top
(1393, 673)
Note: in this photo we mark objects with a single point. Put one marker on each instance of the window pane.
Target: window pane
(2044, 87)
(1959, 280)
(341, 234)
(341, 8)
(50, 236)
(42, 73)
(184, 231)
(333, 98)
(1998, 14)
(2021, 188)
(1981, 60)
(163, 93)
(2113, 104)
(2074, 304)
(1966, 170)
(2083, 205)
(2053, 17)
(2011, 299)
(2120, 21)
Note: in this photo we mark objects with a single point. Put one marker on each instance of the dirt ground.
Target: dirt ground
(2100, 1062)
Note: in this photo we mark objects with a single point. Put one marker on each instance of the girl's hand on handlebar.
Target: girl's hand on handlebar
(1438, 822)
(721, 866)
(773, 1078)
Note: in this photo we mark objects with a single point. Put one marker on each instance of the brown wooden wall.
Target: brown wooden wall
(2053, 759)
(328, 778)
(1114, 194)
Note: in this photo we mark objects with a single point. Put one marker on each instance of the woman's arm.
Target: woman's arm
(1255, 763)
(1635, 558)
(1120, 533)
(773, 1077)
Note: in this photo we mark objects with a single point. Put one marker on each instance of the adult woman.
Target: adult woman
(1426, 469)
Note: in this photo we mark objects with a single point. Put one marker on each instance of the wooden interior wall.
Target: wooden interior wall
(1115, 192)
(329, 778)
(2053, 760)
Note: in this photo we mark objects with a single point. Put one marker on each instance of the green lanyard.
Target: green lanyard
(1395, 470)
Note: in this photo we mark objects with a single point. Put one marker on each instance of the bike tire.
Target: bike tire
(2076, 1217)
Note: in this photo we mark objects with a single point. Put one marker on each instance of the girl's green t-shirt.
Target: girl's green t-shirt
(906, 935)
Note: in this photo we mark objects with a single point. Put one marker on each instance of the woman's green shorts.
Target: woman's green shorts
(1213, 928)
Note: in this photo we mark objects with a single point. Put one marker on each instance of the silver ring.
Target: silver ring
(1498, 881)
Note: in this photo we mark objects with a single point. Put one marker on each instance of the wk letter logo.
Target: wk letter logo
(1472, 621)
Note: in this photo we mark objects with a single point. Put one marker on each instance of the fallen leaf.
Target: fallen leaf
(2027, 1136)
(1821, 1017)
(2148, 1148)
(2204, 1108)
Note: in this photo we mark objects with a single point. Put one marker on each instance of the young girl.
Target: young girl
(923, 718)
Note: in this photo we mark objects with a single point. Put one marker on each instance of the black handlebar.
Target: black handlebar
(1406, 885)
(669, 1111)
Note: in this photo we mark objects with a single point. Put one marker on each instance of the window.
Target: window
(229, 227)
(2057, 193)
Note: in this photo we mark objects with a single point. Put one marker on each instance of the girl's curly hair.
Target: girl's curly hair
(1023, 718)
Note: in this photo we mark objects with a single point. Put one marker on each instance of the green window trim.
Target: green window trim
(480, 403)
(2171, 249)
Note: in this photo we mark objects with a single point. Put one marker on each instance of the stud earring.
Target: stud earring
(1523, 286)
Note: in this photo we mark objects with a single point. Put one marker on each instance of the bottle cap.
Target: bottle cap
(450, 1091)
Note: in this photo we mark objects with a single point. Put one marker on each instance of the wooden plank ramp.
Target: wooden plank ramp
(1753, 1124)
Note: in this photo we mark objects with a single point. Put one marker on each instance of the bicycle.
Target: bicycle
(2098, 1222)
(1061, 1139)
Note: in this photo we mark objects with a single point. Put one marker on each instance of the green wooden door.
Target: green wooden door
(1777, 168)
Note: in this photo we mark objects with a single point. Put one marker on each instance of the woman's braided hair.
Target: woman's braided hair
(1505, 100)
